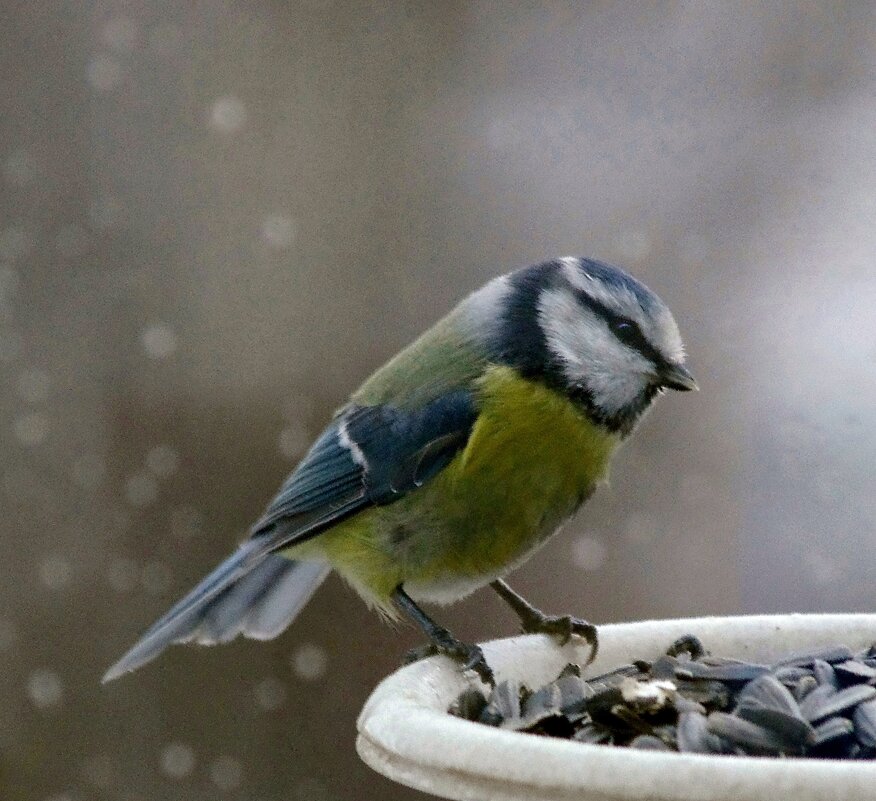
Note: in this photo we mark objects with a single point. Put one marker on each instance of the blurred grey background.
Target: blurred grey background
(217, 217)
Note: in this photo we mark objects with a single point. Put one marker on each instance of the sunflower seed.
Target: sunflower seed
(833, 729)
(694, 736)
(592, 734)
(768, 691)
(824, 673)
(538, 707)
(805, 686)
(648, 742)
(865, 723)
(616, 676)
(709, 693)
(854, 671)
(838, 702)
(469, 705)
(815, 700)
(740, 671)
(664, 667)
(574, 694)
(504, 703)
(791, 674)
(794, 732)
(832, 653)
(744, 733)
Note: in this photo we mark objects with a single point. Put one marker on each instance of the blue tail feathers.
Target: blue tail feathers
(255, 592)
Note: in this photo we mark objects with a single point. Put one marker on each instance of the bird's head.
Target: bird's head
(594, 332)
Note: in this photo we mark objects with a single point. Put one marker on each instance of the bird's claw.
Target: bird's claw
(477, 662)
(562, 627)
(420, 652)
(469, 657)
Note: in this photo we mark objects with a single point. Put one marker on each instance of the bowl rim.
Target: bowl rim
(406, 734)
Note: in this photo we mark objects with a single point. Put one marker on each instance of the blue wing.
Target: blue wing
(369, 455)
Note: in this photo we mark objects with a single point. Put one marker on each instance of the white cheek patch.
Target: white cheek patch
(659, 328)
(614, 374)
(481, 312)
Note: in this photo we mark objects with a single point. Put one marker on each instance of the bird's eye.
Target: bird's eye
(625, 330)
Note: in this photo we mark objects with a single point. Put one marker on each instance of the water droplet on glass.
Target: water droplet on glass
(633, 246)
(824, 569)
(33, 385)
(99, 771)
(122, 574)
(162, 460)
(56, 572)
(8, 634)
(589, 553)
(88, 470)
(228, 114)
(309, 662)
(177, 760)
(156, 578)
(19, 168)
(293, 440)
(226, 773)
(31, 428)
(158, 340)
(270, 693)
(8, 282)
(11, 345)
(310, 789)
(45, 688)
(141, 489)
(640, 529)
(120, 33)
(105, 212)
(15, 243)
(72, 241)
(103, 72)
(164, 39)
(185, 522)
(278, 231)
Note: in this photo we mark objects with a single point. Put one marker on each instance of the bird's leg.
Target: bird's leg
(443, 642)
(534, 621)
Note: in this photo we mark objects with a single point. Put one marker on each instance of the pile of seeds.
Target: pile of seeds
(819, 703)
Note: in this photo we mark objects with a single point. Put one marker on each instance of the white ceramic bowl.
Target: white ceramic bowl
(406, 734)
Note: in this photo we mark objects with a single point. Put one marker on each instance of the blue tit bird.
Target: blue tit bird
(452, 463)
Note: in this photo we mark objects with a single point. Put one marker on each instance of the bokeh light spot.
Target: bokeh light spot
(310, 662)
(162, 460)
(103, 72)
(226, 773)
(270, 693)
(141, 489)
(31, 428)
(177, 760)
(589, 553)
(158, 340)
(56, 572)
(278, 231)
(228, 114)
(45, 689)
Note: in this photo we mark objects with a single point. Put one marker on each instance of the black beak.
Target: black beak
(678, 377)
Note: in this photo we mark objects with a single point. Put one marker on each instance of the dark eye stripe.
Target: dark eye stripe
(626, 330)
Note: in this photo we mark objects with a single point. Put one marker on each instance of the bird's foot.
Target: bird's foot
(469, 657)
(420, 652)
(562, 627)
